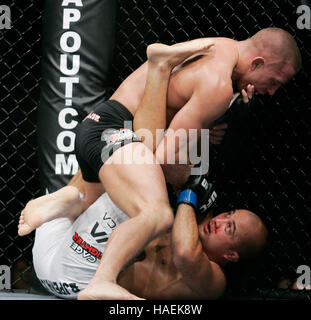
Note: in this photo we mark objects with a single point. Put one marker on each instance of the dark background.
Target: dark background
(263, 164)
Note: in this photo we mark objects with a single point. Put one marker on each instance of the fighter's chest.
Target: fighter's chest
(161, 255)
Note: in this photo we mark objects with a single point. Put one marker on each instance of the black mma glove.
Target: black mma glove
(198, 192)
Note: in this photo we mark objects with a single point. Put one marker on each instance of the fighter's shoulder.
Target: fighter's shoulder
(223, 56)
(216, 69)
(214, 84)
(222, 45)
(213, 288)
(218, 282)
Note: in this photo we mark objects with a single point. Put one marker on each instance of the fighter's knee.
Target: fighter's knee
(168, 217)
(160, 215)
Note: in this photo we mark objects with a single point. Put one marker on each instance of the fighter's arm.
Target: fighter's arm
(218, 130)
(207, 103)
(204, 107)
(204, 277)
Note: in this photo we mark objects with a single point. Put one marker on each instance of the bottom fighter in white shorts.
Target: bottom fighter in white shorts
(66, 255)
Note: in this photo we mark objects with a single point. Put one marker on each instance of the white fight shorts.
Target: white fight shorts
(66, 256)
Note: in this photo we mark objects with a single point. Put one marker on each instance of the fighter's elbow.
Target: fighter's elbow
(183, 257)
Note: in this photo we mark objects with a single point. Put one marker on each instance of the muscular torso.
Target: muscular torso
(155, 276)
(212, 69)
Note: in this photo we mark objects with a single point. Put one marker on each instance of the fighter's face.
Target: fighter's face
(219, 235)
(267, 79)
(266, 84)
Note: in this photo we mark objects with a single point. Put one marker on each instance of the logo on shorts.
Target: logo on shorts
(88, 252)
(117, 136)
(92, 116)
(114, 139)
(60, 288)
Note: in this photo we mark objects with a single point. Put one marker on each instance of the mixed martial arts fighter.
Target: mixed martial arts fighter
(187, 262)
(198, 93)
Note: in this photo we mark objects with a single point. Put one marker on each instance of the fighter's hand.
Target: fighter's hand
(248, 93)
(198, 192)
(217, 132)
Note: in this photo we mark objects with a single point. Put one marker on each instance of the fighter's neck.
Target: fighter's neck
(245, 51)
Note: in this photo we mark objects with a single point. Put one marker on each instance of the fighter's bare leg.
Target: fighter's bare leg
(140, 191)
(171, 56)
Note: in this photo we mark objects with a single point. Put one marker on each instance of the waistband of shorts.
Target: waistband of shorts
(120, 108)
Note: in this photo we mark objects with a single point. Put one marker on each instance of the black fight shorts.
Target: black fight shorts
(103, 131)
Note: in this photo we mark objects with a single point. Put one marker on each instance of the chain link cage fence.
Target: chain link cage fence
(263, 163)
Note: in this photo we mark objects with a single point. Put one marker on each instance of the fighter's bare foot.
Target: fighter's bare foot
(106, 291)
(171, 56)
(65, 202)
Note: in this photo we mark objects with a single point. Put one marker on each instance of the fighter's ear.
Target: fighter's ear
(232, 256)
(257, 62)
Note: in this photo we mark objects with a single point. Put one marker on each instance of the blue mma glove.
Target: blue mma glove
(198, 192)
